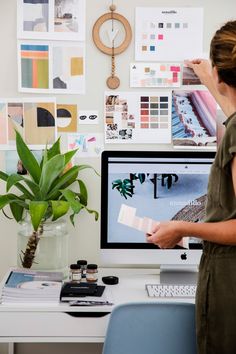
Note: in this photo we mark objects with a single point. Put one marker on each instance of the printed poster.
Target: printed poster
(168, 34)
(51, 19)
(88, 144)
(138, 117)
(51, 67)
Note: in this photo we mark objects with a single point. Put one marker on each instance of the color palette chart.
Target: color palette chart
(168, 34)
(154, 112)
(155, 75)
(137, 117)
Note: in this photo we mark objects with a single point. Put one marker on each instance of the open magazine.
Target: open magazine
(28, 286)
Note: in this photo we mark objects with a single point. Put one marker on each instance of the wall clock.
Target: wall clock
(112, 35)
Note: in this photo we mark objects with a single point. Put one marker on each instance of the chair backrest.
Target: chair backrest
(151, 328)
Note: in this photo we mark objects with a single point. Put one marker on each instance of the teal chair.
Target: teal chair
(151, 328)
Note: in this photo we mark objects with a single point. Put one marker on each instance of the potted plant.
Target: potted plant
(44, 196)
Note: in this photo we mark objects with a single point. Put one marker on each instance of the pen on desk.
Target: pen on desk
(89, 303)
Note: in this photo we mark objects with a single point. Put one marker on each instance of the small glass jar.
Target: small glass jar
(75, 273)
(92, 273)
(83, 265)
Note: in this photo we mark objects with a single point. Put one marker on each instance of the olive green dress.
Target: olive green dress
(216, 292)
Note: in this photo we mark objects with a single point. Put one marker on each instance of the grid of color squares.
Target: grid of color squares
(155, 75)
(152, 38)
(154, 112)
(34, 66)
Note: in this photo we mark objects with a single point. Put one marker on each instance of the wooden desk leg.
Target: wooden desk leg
(10, 348)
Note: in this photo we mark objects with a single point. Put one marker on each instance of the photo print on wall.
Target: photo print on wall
(137, 117)
(193, 119)
(51, 19)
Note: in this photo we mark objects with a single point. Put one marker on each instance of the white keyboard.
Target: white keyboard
(171, 290)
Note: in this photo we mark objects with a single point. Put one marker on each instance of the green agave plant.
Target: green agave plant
(45, 193)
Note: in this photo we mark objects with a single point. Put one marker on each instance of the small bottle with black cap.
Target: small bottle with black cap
(92, 273)
(83, 265)
(75, 273)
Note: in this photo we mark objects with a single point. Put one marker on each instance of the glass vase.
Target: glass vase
(45, 250)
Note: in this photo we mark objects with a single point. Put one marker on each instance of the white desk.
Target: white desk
(62, 323)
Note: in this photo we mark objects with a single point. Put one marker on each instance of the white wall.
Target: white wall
(84, 241)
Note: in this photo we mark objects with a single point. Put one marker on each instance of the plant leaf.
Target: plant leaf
(14, 178)
(27, 158)
(17, 211)
(54, 150)
(83, 195)
(37, 211)
(51, 170)
(3, 176)
(59, 208)
(90, 211)
(83, 167)
(10, 198)
(71, 196)
(68, 155)
(64, 181)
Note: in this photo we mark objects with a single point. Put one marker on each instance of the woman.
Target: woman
(216, 293)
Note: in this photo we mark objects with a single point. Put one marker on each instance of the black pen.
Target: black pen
(89, 303)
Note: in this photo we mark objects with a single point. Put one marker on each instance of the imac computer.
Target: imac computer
(161, 186)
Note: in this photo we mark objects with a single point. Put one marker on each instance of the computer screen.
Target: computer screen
(161, 185)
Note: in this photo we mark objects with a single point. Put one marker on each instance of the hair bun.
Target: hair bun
(234, 55)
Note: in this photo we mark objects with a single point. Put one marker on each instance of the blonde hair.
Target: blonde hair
(223, 53)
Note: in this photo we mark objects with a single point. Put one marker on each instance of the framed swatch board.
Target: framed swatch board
(168, 34)
(138, 117)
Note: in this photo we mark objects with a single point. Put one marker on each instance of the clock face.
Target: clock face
(112, 33)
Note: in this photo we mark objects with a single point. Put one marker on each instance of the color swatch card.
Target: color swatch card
(138, 117)
(51, 19)
(168, 34)
(56, 67)
(155, 75)
(194, 119)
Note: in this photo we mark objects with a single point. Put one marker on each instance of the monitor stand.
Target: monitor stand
(170, 274)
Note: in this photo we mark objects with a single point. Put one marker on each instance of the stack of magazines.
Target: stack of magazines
(27, 286)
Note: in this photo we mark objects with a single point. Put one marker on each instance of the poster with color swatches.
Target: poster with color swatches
(194, 119)
(137, 117)
(51, 19)
(155, 75)
(168, 34)
(33, 118)
(55, 67)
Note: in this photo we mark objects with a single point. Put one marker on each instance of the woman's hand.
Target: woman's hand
(165, 234)
(202, 68)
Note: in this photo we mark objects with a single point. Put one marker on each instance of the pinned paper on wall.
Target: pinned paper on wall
(33, 118)
(194, 119)
(155, 75)
(88, 117)
(66, 118)
(88, 144)
(51, 19)
(55, 67)
(168, 34)
(137, 117)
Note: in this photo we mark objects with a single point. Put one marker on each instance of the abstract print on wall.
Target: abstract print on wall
(194, 119)
(52, 67)
(66, 118)
(34, 63)
(51, 19)
(33, 118)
